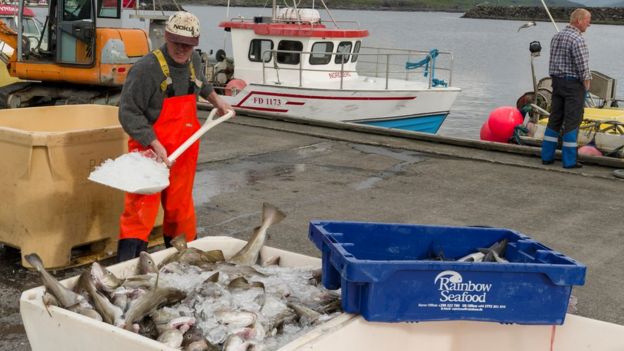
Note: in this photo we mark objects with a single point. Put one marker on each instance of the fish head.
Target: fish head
(146, 264)
(179, 242)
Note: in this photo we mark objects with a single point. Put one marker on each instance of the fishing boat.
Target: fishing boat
(295, 64)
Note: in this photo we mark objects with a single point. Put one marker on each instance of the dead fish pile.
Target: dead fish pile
(197, 300)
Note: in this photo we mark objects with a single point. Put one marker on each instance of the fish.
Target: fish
(110, 313)
(317, 276)
(236, 343)
(307, 316)
(249, 254)
(87, 311)
(194, 340)
(271, 261)
(242, 283)
(104, 279)
(191, 255)
(496, 250)
(234, 270)
(65, 297)
(172, 338)
(143, 281)
(493, 253)
(151, 301)
(146, 264)
(473, 257)
(148, 328)
(527, 25)
(236, 319)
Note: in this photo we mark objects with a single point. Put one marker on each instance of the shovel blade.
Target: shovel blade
(132, 173)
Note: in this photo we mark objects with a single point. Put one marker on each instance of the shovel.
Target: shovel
(138, 173)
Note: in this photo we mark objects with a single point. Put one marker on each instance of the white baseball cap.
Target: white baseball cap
(183, 27)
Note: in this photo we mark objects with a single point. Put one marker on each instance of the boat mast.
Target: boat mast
(551, 17)
(274, 10)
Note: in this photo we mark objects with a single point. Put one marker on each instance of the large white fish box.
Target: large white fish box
(59, 329)
(351, 332)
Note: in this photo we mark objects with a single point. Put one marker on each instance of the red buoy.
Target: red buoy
(502, 122)
(486, 134)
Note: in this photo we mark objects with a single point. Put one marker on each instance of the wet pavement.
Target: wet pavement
(311, 172)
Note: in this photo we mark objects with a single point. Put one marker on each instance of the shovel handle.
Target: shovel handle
(211, 121)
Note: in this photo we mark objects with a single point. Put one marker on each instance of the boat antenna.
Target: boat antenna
(549, 15)
(330, 15)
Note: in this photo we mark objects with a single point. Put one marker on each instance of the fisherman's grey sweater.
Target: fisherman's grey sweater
(141, 96)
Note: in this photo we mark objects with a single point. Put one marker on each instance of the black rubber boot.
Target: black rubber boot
(128, 249)
(167, 240)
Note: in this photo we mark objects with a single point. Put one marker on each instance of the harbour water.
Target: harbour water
(492, 63)
(491, 57)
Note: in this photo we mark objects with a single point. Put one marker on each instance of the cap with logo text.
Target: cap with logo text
(183, 27)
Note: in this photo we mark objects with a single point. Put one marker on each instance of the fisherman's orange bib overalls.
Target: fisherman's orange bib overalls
(176, 123)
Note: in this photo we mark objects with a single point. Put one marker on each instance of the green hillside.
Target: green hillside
(451, 5)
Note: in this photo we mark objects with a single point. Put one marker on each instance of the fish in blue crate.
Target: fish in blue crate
(386, 274)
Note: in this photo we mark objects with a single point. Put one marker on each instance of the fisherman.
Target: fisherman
(571, 77)
(158, 110)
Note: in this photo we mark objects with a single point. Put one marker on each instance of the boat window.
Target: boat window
(321, 53)
(289, 58)
(344, 48)
(258, 47)
(356, 49)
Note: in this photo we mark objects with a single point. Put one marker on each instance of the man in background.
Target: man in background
(571, 77)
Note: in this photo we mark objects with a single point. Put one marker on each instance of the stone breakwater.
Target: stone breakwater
(600, 15)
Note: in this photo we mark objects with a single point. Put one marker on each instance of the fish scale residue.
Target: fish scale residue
(258, 316)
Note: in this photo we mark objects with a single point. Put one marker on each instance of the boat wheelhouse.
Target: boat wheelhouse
(295, 65)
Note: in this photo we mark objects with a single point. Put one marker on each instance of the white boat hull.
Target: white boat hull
(421, 110)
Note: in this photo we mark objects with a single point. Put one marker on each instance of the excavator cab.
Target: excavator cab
(82, 56)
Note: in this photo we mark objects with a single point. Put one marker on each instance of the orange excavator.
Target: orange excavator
(82, 56)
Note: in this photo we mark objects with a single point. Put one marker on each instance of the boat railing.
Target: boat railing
(396, 63)
(387, 64)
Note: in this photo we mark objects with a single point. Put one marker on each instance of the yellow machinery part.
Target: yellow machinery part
(136, 45)
(613, 118)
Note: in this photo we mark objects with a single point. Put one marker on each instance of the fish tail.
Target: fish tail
(271, 214)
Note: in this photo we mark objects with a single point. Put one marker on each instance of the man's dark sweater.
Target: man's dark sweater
(141, 96)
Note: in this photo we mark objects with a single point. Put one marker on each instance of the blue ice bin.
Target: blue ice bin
(387, 273)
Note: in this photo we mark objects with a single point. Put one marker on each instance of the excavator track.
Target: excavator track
(28, 94)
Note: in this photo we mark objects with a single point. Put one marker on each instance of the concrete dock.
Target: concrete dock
(314, 172)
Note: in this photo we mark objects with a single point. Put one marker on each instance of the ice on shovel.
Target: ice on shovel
(134, 172)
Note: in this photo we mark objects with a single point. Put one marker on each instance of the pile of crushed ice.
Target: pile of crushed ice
(133, 172)
(207, 300)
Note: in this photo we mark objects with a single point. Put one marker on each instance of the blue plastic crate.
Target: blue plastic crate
(386, 273)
